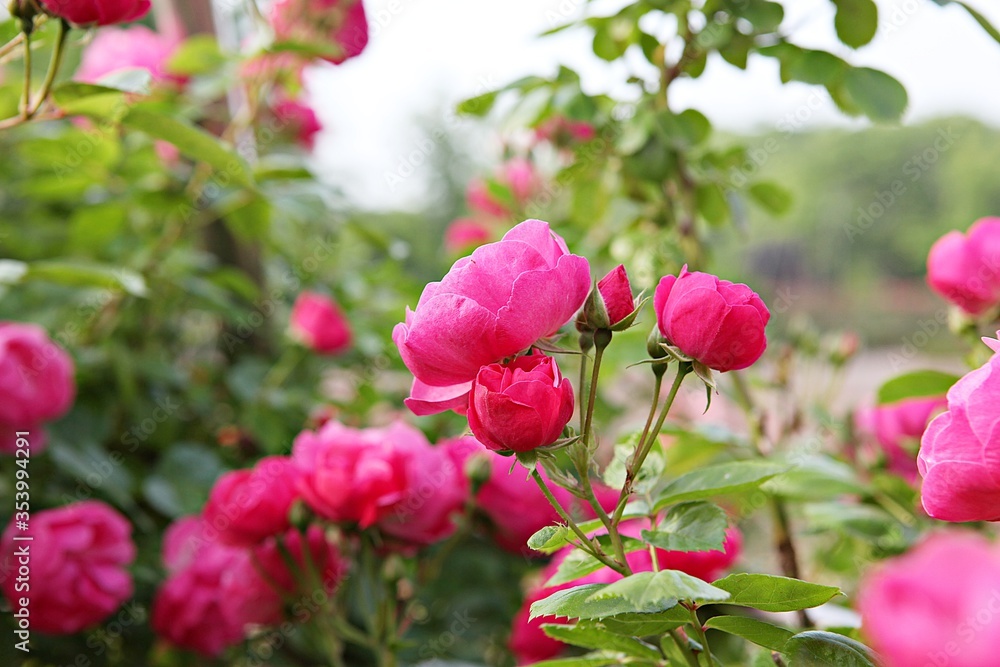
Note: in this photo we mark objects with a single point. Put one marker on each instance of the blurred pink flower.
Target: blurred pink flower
(965, 268)
(247, 506)
(323, 22)
(897, 425)
(465, 234)
(299, 120)
(136, 47)
(319, 323)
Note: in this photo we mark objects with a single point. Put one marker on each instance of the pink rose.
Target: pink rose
(960, 450)
(937, 605)
(206, 600)
(517, 508)
(520, 405)
(247, 506)
(465, 233)
(713, 321)
(355, 475)
(318, 323)
(897, 425)
(965, 269)
(480, 200)
(36, 382)
(79, 569)
(138, 47)
(300, 119)
(100, 12)
(339, 22)
(519, 178)
(491, 305)
(436, 493)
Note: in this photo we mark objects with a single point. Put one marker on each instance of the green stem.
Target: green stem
(699, 631)
(646, 441)
(12, 44)
(582, 388)
(621, 568)
(592, 396)
(685, 648)
(26, 94)
(283, 368)
(53, 72)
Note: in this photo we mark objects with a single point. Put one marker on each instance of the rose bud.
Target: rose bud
(713, 321)
(521, 405)
(965, 269)
(99, 12)
(318, 323)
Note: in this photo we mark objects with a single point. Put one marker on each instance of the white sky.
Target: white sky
(425, 55)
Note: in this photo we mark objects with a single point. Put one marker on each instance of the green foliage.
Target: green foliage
(768, 592)
(720, 479)
(918, 384)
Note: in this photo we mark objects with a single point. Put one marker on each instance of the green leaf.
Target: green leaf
(878, 95)
(690, 527)
(663, 589)
(856, 21)
(686, 129)
(817, 477)
(772, 197)
(192, 141)
(717, 480)
(765, 16)
(182, 479)
(78, 274)
(101, 102)
(982, 21)
(822, 649)
(816, 67)
(617, 469)
(760, 633)
(918, 384)
(712, 204)
(553, 538)
(582, 661)
(768, 592)
(594, 636)
(548, 539)
(196, 55)
(576, 602)
(579, 563)
(479, 105)
(865, 522)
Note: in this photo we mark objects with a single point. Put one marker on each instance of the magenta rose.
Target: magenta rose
(937, 605)
(491, 305)
(897, 426)
(713, 321)
(300, 121)
(960, 450)
(354, 475)
(207, 599)
(246, 506)
(464, 234)
(78, 572)
(137, 47)
(341, 23)
(520, 405)
(965, 268)
(97, 12)
(318, 323)
(36, 383)
(436, 492)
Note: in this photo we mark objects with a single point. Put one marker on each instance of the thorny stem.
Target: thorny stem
(783, 541)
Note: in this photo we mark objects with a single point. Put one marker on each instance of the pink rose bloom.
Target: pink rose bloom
(36, 383)
(260, 581)
(965, 269)
(960, 450)
(247, 506)
(937, 605)
(465, 233)
(206, 599)
(517, 508)
(355, 475)
(79, 566)
(521, 405)
(301, 121)
(137, 47)
(100, 12)
(340, 22)
(897, 425)
(318, 323)
(480, 200)
(616, 293)
(713, 321)
(491, 305)
(437, 491)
